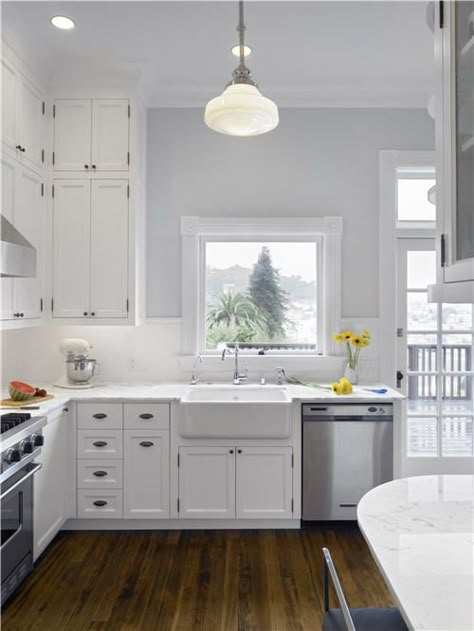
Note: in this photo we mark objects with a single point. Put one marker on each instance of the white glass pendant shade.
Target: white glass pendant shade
(241, 110)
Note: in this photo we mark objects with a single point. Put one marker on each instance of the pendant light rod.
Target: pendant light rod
(241, 74)
(241, 29)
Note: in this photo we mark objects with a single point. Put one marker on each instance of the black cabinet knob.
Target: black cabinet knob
(100, 503)
(100, 474)
(18, 147)
(85, 313)
(94, 166)
(146, 443)
(65, 409)
(22, 315)
(239, 451)
(86, 166)
(92, 313)
(23, 149)
(99, 443)
(231, 451)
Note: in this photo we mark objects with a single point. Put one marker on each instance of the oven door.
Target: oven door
(16, 504)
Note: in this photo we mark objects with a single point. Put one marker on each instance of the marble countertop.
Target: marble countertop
(175, 391)
(421, 533)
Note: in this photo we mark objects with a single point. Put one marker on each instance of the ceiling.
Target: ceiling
(314, 53)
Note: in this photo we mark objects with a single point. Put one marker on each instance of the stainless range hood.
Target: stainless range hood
(17, 255)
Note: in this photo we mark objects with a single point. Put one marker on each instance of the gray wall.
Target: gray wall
(317, 162)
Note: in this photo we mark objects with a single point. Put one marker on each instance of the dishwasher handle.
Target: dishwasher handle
(348, 419)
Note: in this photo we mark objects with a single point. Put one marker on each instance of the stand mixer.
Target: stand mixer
(80, 369)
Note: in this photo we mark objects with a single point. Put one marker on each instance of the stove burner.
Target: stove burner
(12, 419)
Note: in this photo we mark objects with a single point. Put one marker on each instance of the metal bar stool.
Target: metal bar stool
(345, 619)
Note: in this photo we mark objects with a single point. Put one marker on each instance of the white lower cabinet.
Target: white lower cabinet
(206, 482)
(99, 475)
(99, 503)
(54, 482)
(264, 482)
(146, 467)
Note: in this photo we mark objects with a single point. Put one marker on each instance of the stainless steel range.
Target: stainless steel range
(21, 439)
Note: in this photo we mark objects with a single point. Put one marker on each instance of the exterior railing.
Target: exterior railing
(456, 358)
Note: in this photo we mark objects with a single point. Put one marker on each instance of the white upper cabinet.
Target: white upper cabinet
(264, 482)
(109, 248)
(455, 139)
(110, 131)
(23, 116)
(71, 248)
(90, 249)
(91, 135)
(72, 134)
(8, 206)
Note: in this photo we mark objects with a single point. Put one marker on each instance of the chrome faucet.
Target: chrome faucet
(238, 376)
(194, 376)
(281, 375)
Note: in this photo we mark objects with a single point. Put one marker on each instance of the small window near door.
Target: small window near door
(413, 202)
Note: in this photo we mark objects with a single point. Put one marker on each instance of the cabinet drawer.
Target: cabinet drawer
(99, 415)
(99, 504)
(99, 445)
(144, 415)
(97, 474)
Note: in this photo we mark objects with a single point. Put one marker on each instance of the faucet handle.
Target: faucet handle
(281, 375)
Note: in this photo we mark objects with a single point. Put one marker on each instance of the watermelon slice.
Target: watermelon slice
(20, 391)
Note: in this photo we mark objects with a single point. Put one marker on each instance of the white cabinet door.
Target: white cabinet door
(109, 248)
(9, 104)
(8, 207)
(71, 248)
(146, 474)
(72, 134)
(31, 122)
(264, 482)
(54, 482)
(110, 135)
(206, 482)
(29, 219)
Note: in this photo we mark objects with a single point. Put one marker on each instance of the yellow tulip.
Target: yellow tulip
(336, 388)
(336, 337)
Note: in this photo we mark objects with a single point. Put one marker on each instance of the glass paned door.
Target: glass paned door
(435, 347)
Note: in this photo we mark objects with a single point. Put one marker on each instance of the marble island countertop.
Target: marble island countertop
(175, 391)
(421, 533)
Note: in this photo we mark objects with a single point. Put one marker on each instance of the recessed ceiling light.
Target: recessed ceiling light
(236, 50)
(62, 22)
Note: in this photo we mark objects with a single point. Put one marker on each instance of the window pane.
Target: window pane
(422, 394)
(421, 269)
(422, 357)
(456, 356)
(421, 338)
(261, 293)
(422, 436)
(457, 393)
(413, 204)
(420, 313)
(457, 316)
(457, 436)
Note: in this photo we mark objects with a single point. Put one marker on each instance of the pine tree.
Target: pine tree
(267, 295)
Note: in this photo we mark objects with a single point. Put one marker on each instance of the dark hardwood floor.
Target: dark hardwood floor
(192, 581)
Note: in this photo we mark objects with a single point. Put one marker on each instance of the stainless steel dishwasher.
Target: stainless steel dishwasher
(347, 450)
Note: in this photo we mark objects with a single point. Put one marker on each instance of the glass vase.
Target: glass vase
(351, 374)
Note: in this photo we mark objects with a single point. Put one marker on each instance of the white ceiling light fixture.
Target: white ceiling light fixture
(241, 110)
(235, 50)
(62, 22)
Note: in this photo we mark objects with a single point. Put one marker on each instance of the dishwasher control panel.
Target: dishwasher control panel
(340, 411)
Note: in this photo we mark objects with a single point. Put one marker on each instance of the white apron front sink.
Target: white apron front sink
(235, 412)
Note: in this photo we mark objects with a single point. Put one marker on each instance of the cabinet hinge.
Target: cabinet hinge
(443, 250)
(42, 156)
(53, 157)
(128, 191)
(42, 189)
(177, 504)
(292, 460)
(44, 108)
(41, 305)
(178, 460)
(52, 190)
(292, 505)
(128, 158)
(400, 332)
(441, 14)
(54, 111)
(129, 110)
(127, 305)
(52, 305)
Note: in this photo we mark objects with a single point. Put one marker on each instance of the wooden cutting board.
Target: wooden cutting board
(10, 403)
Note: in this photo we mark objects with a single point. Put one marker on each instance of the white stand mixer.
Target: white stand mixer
(80, 369)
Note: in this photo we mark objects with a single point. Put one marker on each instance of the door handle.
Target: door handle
(400, 377)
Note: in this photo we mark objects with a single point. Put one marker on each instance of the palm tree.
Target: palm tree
(235, 310)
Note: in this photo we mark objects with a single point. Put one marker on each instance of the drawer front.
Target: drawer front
(99, 445)
(146, 415)
(100, 415)
(97, 474)
(99, 504)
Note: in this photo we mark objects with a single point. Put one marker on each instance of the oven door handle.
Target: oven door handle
(32, 471)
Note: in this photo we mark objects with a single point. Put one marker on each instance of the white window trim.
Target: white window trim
(195, 231)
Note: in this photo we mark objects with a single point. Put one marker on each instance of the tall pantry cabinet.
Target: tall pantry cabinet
(91, 191)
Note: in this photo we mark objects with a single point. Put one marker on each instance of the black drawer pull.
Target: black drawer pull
(99, 443)
(100, 503)
(146, 417)
(99, 415)
(146, 443)
(100, 474)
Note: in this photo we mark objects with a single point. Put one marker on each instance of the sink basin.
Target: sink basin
(235, 412)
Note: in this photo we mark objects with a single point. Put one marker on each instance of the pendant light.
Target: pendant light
(241, 110)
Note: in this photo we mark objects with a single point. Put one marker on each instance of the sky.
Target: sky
(291, 259)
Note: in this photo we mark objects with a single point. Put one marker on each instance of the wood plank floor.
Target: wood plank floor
(192, 581)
